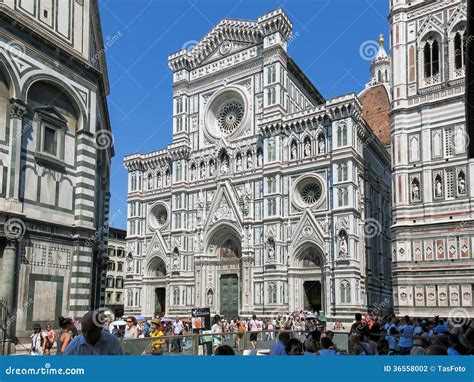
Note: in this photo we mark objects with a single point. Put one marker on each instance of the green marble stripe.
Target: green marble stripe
(86, 153)
(82, 163)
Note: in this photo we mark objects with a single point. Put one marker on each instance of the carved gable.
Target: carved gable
(224, 208)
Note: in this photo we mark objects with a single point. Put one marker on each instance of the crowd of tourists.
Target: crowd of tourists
(295, 334)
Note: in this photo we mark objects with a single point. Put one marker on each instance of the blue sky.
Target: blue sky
(333, 43)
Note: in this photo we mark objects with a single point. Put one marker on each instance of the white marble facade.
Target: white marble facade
(432, 235)
(270, 198)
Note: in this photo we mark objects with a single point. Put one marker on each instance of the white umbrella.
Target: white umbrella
(119, 323)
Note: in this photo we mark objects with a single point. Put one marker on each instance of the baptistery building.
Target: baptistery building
(270, 198)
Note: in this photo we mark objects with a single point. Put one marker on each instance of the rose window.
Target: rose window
(158, 216)
(230, 116)
(311, 193)
(308, 191)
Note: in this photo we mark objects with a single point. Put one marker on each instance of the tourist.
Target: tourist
(441, 327)
(65, 337)
(240, 329)
(382, 347)
(131, 330)
(406, 331)
(355, 345)
(312, 341)
(156, 332)
(93, 340)
(177, 331)
(216, 328)
(279, 348)
(270, 328)
(327, 347)
(419, 346)
(436, 350)
(36, 340)
(455, 346)
(49, 337)
(253, 328)
(367, 343)
(224, 350)
(392, 339)
(358, 326)
(294, 347)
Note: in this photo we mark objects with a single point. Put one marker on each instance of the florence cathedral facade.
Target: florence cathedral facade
(270, 198)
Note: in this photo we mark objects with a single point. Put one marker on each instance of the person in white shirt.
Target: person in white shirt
(177, 331)
(37, 340)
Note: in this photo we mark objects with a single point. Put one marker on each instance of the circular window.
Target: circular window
(311, 193)
(308, 191)
(230, 116)
(226, 113)
(158, 216)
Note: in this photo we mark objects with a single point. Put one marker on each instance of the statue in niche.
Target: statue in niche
(129, 262)
(168, 178)
(415, 191)
(259, 159)
(193, 172)
(210, 298)
(211, 169)
(158, 179)
(438, 187)
(224, 165)
(461, 184)
(203, 171)
(150, 182)
(271, 250)
(176, 260)
(342, 246)
(249, 160)
(239, 163)
(321, 145)
(294, 150)
(307, 148)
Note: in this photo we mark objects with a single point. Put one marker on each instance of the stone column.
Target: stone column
(7, 292)
(17, 112)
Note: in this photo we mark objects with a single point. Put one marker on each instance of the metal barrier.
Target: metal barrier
(190, 344)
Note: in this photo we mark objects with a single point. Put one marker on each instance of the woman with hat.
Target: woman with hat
(156, 332)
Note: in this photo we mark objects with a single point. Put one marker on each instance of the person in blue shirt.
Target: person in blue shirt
(93, 340)
(393, 347)
(327, 347)
(440, 328)
(406, 336)
(455, 346)
(279, 348)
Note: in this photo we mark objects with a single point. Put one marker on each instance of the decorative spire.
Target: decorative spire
(380, 66)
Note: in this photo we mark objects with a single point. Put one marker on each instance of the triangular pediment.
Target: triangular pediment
(431, 24)
(458, 15)
(308, 229)
(157, 247)
(226, 48)
(51, 113)
(224, 209)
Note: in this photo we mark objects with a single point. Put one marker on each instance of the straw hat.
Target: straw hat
(155, 321)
